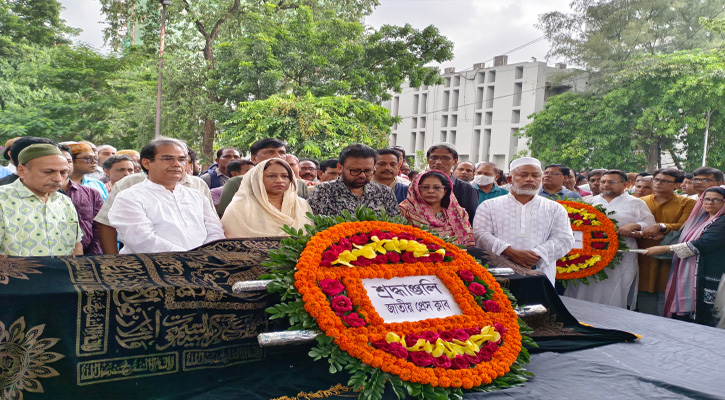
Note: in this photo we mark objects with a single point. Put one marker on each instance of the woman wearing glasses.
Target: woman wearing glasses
(431, 203)
(697, 263)
(266, 201)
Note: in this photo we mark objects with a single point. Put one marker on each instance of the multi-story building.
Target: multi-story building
(479, 110)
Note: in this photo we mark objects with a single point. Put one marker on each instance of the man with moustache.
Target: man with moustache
(704, 178)
(36, 220)
(386, 173)
(308, 171)
(442, 157)
(643, 186)
(523, 226)
(553, 183)
(633, 215)
(159, 214)
(353, 188)
(464, 171)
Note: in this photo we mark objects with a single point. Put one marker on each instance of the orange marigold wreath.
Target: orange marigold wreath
(600, 243)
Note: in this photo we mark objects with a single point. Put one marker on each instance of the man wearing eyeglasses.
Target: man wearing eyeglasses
(670, 211)
(632, 215)
(704, 178)
(159, 214)
(85, 162)
(443, 157)
(553, 183)
(354, 187)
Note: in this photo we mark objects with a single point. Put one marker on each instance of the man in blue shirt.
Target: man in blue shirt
(553, 185)
(485, 182)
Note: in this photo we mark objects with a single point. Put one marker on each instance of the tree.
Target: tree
(311, 126)
(602, 34)
(31, 22)
(655, 104)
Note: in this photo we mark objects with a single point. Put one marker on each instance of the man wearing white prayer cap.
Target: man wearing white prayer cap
(528, 229)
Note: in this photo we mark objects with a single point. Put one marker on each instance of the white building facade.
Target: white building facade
(479, 110)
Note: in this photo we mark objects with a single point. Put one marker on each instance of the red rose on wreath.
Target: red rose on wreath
(466, 275)
(353, 320)
(341, 304)
(599, 246)
(431, 336)
(393, 257)
(477, 289)
(459, 362)
(442, 361)
(331, 287)
(421, 358)
(460, 334)
(396, 349)
(491, 306)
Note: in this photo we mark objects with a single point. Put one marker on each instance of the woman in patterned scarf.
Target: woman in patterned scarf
(431, 203)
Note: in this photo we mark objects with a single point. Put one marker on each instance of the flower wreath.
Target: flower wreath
(600, 244)
(435, 358)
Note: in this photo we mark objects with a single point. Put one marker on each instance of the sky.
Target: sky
(480, 29)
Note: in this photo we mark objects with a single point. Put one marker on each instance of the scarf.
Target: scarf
(454, 222)
(680, 294)
(250, 214)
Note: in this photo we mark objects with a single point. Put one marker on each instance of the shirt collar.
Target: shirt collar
(23, 191)
(156, 186)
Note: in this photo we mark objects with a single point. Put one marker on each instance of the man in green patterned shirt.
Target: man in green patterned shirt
(36, 220)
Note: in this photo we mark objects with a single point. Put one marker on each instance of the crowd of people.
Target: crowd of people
(74, 198)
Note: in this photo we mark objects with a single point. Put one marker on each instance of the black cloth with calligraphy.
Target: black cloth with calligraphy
(330, 198)
(130, 326)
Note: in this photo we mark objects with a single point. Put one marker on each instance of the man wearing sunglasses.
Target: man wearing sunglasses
(354, 187)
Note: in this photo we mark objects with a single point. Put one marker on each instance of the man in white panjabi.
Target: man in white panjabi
(632, 215)
(530, 230)
(159, 214)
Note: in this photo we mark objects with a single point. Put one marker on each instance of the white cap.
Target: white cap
(520, 162)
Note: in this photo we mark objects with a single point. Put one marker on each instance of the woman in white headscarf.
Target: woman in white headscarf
(266, 201)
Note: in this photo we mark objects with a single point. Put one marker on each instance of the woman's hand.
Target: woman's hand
(657, 250)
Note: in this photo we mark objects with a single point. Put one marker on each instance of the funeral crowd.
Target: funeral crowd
(74, 198)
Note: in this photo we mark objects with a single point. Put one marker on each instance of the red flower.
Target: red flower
(353, 320)
(331, 287)
(442, 361)
(471, 359)
(484, 355)
(474, 331)
(393, 257)
(432, 247)
(411, 339)
(477, 289)
(447, 336)
(431, 336)
(598, 235)
(397, 349)
(599, 246)
(490, 347)
(466, 275)
(420, 358)
(499, 328)
(360, 239)
(381, 259)
(432, 257)
(459, 362)
(341, 304)
(408, 257)
(491, 306)
(381, 344)
(460, 334)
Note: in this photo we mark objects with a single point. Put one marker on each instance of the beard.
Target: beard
(525, 192)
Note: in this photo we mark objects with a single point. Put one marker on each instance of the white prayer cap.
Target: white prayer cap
(520, 162)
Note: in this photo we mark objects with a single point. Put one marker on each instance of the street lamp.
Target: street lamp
(164, 4)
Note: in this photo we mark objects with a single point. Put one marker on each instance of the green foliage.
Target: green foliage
(27, 23)
(312, 126)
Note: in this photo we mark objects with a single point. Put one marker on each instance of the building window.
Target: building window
(446, 97)
(486, 144)
(481, 77)
(424, 103)
(454, 100)
(457, 80)
(454, 121)
(452, 138)
(477, 119)
(489, 97)
(488, 120)
(421, 122)
(413, 123)
(443, 136)
(492, 76)
(444, 121)
(519, 72)
(447, 82)
(515, 116)
(518, 88)
(475, 148)
(479, 98)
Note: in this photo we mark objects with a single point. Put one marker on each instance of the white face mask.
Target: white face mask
(483, 180)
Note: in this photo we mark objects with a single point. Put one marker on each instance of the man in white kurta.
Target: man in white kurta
(159, 214)
(530, 230)
(632, 216)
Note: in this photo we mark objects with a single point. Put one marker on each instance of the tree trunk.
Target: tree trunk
(207, 141)
(653, 156)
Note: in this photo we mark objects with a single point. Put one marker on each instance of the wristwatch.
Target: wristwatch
(663, 227)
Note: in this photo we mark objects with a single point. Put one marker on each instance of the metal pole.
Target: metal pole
(707, 133)
(164, 3)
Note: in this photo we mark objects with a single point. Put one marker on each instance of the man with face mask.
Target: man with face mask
(485, 182)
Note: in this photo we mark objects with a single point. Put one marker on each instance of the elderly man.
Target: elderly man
(116, 168)
(523, 226)
(159, 214)
(36, 220)
(704, 178)
(464, 171)
(105, 151)
(106, 232)
(217, 174)
(386, 173)
(11, 153)
(442, 157)
(262, 149)
(553, 183)
(670, 211)
(353, 188)
(485, 182)
(84, 164)
(633, 215)
(643, 186)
